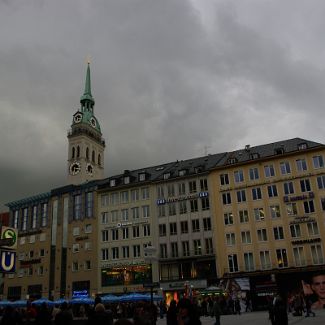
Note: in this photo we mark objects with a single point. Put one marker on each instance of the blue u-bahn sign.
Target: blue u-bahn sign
(7, 262)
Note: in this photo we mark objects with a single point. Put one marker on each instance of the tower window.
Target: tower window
(73, 152)
(87, 153)
(78, 151)
(93, 156)
(99, 160)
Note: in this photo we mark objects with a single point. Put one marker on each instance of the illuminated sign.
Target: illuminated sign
(7, 262)
(80, 294)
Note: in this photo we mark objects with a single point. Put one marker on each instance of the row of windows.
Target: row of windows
(81, 208)
(76, 266)
(77, 247)
(274, 212)
(195, 223)
(125, 214)
(30, 271)
(278, 233)
(125, 196)
(31, 254)
(315, 256)
(32, 239)
(114, 253)
(272, 190)
(87, 230)
(32, 218)
(186, 249)
(269, 170)
(124, 233)
(183, 207)
(183, 188)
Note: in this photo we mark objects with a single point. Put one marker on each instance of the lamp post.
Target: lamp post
(150, 252)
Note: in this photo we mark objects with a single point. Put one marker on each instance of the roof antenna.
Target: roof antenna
(206, 150)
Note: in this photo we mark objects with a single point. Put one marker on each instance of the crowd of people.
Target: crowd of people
(136, 313)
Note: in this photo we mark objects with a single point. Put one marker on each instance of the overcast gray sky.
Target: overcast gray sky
(172, 79)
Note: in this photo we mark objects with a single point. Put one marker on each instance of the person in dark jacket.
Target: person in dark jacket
(280, 312)
(172, 313)
(100, 316)
(11, 317)
(187, 313)
(64, 317)
(43, 316)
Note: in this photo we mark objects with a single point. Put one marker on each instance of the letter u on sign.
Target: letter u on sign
(8, 262)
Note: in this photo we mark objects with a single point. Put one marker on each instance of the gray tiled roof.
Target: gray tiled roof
(267, 150)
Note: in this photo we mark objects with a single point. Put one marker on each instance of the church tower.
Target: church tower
(86, 145)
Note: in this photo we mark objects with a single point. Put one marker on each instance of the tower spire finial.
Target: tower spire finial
(87, 96)
(88, 83)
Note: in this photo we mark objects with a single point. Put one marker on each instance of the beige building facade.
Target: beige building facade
(269, 204)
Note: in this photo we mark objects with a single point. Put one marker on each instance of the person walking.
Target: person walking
(172, 313)
(280, 312)
(217, 311)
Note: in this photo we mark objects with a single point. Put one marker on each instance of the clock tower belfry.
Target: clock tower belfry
(86, 145)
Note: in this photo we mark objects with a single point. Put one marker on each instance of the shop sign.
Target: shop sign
(28, 262)
(306, 241)
(310, 195)
(303, 219)
(180, 285)
(118, 264)
(182, 198)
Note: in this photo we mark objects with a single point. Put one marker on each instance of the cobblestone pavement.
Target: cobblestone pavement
(260, 318)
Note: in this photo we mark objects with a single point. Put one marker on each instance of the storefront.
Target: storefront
(177, 290)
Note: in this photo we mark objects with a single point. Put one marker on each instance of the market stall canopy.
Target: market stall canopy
(82, 301)
(110, 298)
(135, 297)
(41, 301)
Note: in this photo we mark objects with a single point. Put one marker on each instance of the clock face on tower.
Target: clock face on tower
(89, 169)
(92, 122)
(74, 168)
(77, 118)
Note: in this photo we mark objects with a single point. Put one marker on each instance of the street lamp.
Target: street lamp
(150, 256)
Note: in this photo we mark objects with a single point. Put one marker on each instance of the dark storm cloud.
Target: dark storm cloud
(171, 80)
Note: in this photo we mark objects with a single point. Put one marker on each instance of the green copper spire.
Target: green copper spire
(87, 96)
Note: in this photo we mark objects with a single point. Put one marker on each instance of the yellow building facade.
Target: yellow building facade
(269, 204)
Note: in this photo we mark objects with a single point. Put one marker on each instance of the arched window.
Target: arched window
(78, 152)
(93, 156)
(99, 160)
(87, 153)
(73, 152)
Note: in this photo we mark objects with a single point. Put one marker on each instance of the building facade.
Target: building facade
(252, 216)
(269, 206)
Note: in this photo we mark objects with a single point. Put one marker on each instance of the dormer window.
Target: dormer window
(198, 169)
(142, 177)
(166, 175)
(112, 182)
(255, 156)
(279, 151)
(127, 180)
(231, 161)
(182, 172)
(302, 146)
